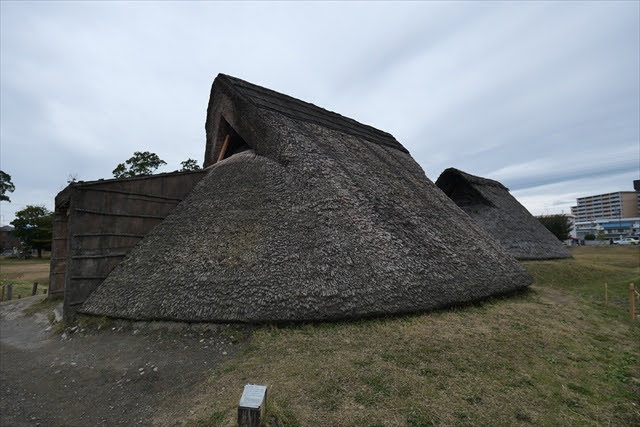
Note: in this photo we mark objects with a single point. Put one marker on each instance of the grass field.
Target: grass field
(554, 355)
(22, 273)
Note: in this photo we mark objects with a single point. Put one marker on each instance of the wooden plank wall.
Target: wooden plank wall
(105, 220)
(58, 252)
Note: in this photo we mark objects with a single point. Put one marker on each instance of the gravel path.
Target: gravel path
(125, 374)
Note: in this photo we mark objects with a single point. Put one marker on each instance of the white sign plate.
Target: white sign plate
(252, 396)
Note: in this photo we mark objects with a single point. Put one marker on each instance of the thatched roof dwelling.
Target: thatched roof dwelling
(304, 215)
(491, 205)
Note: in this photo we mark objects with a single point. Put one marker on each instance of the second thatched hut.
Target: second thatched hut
(492, 207)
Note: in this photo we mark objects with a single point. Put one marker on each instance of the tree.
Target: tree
(6, 186)
(34, 227)
(559, 225)
(142, 163)
(189, 165)
(589, 236)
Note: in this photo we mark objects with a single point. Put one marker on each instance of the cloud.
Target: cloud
(553, 170)
(535, 94)
(537, 200)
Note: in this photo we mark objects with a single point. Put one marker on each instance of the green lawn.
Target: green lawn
(554, 355)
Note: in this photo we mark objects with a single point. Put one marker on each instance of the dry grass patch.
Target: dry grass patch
(551, 356)
(22, 273)
(586, 274)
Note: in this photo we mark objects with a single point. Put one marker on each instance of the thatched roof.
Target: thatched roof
(491, 205)
(313, 216)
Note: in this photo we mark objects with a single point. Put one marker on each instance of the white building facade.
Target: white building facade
(608, 228)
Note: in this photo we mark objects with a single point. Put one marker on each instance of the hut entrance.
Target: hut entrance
(229, 141)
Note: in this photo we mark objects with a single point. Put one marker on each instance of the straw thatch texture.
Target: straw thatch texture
(321, 218)
(491, 205)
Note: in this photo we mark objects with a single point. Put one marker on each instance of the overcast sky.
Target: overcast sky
(542, 96)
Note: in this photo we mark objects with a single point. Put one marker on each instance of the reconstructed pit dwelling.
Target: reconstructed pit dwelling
(301, 215)
(491, 205)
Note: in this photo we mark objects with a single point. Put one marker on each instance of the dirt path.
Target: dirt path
(125, 374)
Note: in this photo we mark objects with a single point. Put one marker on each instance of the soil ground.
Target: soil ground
(122, 374)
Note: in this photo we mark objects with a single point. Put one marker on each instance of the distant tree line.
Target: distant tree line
(145, 163)
(559, 225)
(34, 227)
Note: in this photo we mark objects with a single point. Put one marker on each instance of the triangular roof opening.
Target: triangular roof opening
(228, 141)
(462, 192)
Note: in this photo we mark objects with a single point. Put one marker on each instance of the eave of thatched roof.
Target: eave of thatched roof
(491, 205)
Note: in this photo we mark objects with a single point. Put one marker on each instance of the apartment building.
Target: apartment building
(620, 204)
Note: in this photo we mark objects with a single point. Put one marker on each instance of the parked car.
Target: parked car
(626, 241)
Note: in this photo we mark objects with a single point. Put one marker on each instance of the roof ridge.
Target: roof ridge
(474, 179)
(298, 109)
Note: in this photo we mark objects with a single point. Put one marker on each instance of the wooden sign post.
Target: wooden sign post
(252, 406)
(9, 291)
(34, 290)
